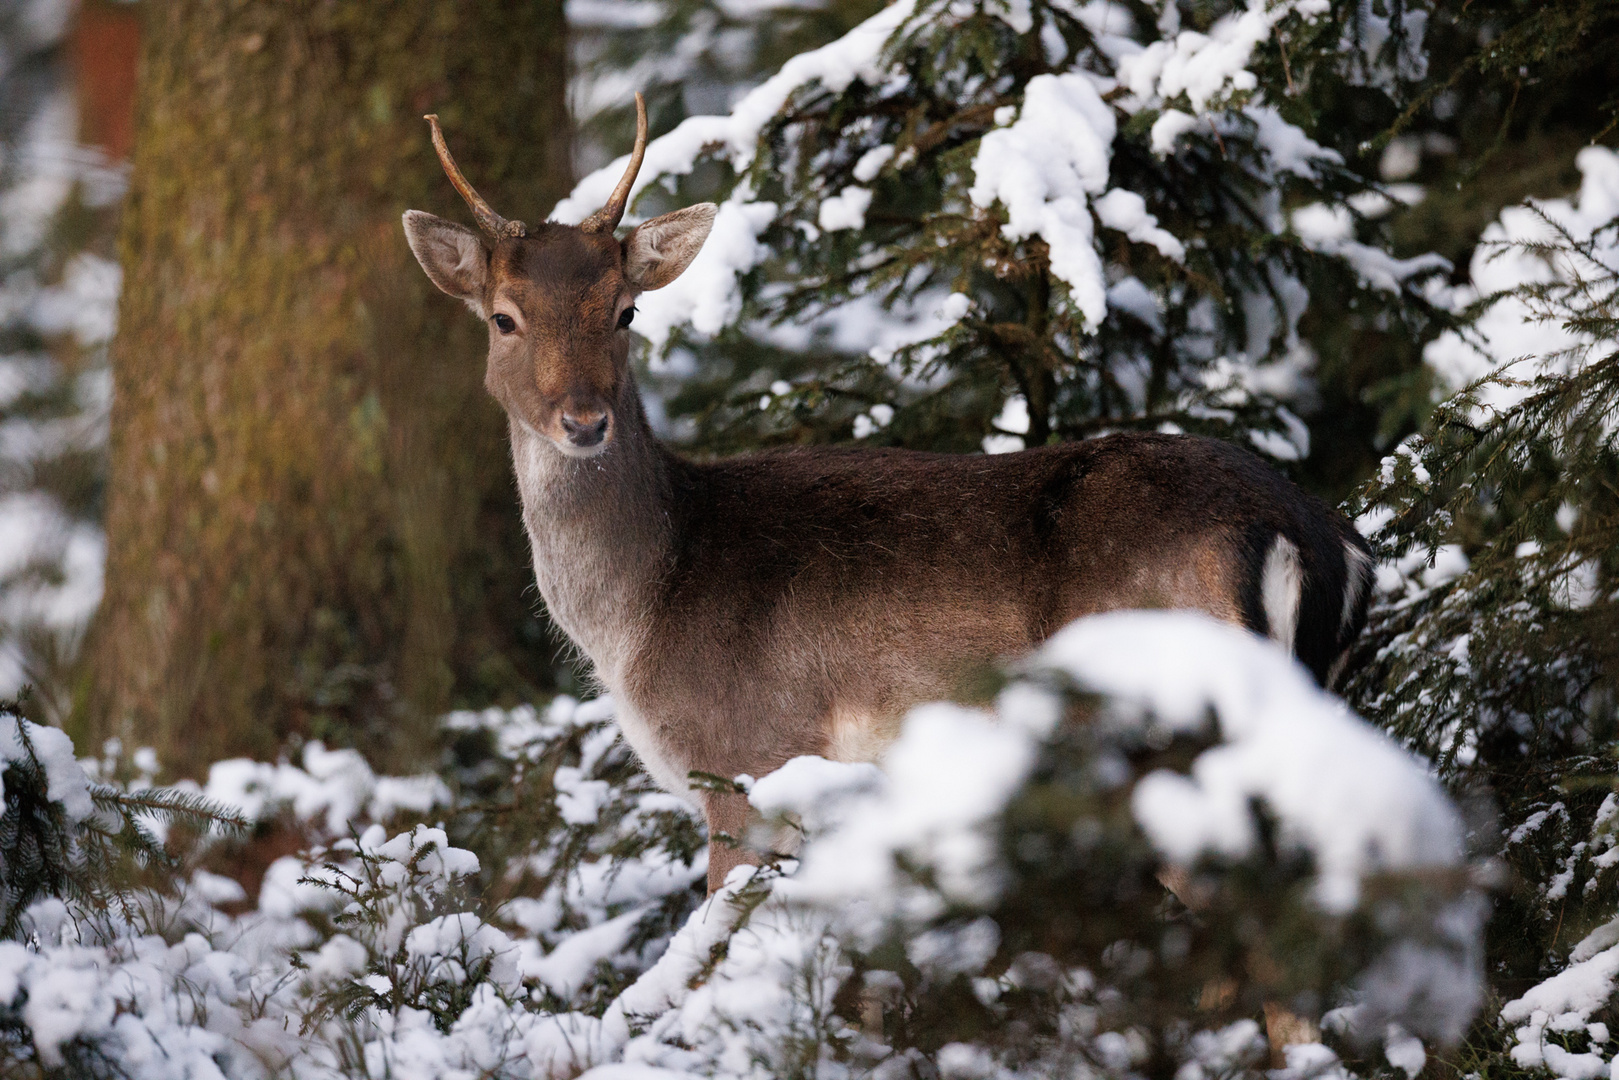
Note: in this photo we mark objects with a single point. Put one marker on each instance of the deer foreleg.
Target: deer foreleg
(729, 815)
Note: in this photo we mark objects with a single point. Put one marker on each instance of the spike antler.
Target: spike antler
(607, 218)
(490, 222)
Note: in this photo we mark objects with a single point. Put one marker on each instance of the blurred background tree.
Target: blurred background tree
(312, 528)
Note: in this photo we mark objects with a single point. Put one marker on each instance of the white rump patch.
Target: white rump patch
(1358, 575)
(1281, 586)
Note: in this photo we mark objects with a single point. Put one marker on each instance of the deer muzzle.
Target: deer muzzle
(585, 429)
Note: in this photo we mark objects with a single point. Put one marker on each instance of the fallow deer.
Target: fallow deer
(747, 610)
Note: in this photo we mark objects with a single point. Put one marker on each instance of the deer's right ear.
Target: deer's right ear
(454, 257)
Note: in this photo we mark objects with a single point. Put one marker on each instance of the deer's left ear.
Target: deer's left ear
(658, 251)
(455, 259)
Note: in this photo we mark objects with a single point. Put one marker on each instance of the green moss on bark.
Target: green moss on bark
(312, 528)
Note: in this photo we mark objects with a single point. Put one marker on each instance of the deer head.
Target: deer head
(558, 299)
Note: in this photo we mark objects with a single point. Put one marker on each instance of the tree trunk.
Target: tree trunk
(312, 528)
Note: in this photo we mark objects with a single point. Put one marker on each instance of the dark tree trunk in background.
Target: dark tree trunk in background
(312, 528)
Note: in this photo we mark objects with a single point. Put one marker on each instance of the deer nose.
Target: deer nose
(586, 431)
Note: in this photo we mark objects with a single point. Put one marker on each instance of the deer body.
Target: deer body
(746, 611)
(749, 610)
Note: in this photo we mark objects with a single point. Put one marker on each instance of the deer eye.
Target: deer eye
(504, 323)
(626, 317)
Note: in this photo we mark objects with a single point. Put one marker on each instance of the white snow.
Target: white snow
(85, 304)
(446, 946)
(811, 788)
(871, 163)
(1554, 1013)
(834, 66)
(1405, 1052)
(1339, 789)
(1204, 67)
(66, 782)
(1012, 423)
(1127, 212)
(613, 14)
(1044, 169)
(727, 990)
(706, 295)
(947, 775)
(1168, 128)
(1330, 230)
(50, 555)
(566, 967)
(864, 325)
(1044, 165)
(845, 210)
(1562, 1003)
(1286, 146)
(334, 786)
(1510, 330)
(741, 982)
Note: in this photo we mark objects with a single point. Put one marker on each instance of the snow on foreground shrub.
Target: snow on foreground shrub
(357, 946)
(989, 905)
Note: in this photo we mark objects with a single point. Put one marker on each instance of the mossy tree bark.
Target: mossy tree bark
(311, 524)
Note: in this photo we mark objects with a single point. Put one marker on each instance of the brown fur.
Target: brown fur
(801, 585)
(569, 357)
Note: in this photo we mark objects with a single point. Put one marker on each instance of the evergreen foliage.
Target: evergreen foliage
(577, 935)
(995, 906)
(688, 57)
(992, 907)
(1077, 960)
(69, 844)
(888, 277)
(1493, 652)
(572, 833)
(91, 850)
(1512, 90)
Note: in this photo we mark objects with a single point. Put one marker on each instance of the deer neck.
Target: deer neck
(600, 532)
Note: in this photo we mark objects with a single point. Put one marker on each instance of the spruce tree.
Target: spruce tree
(687, 57)
(1002, 224)
(1493, 650)
(1492, 647)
